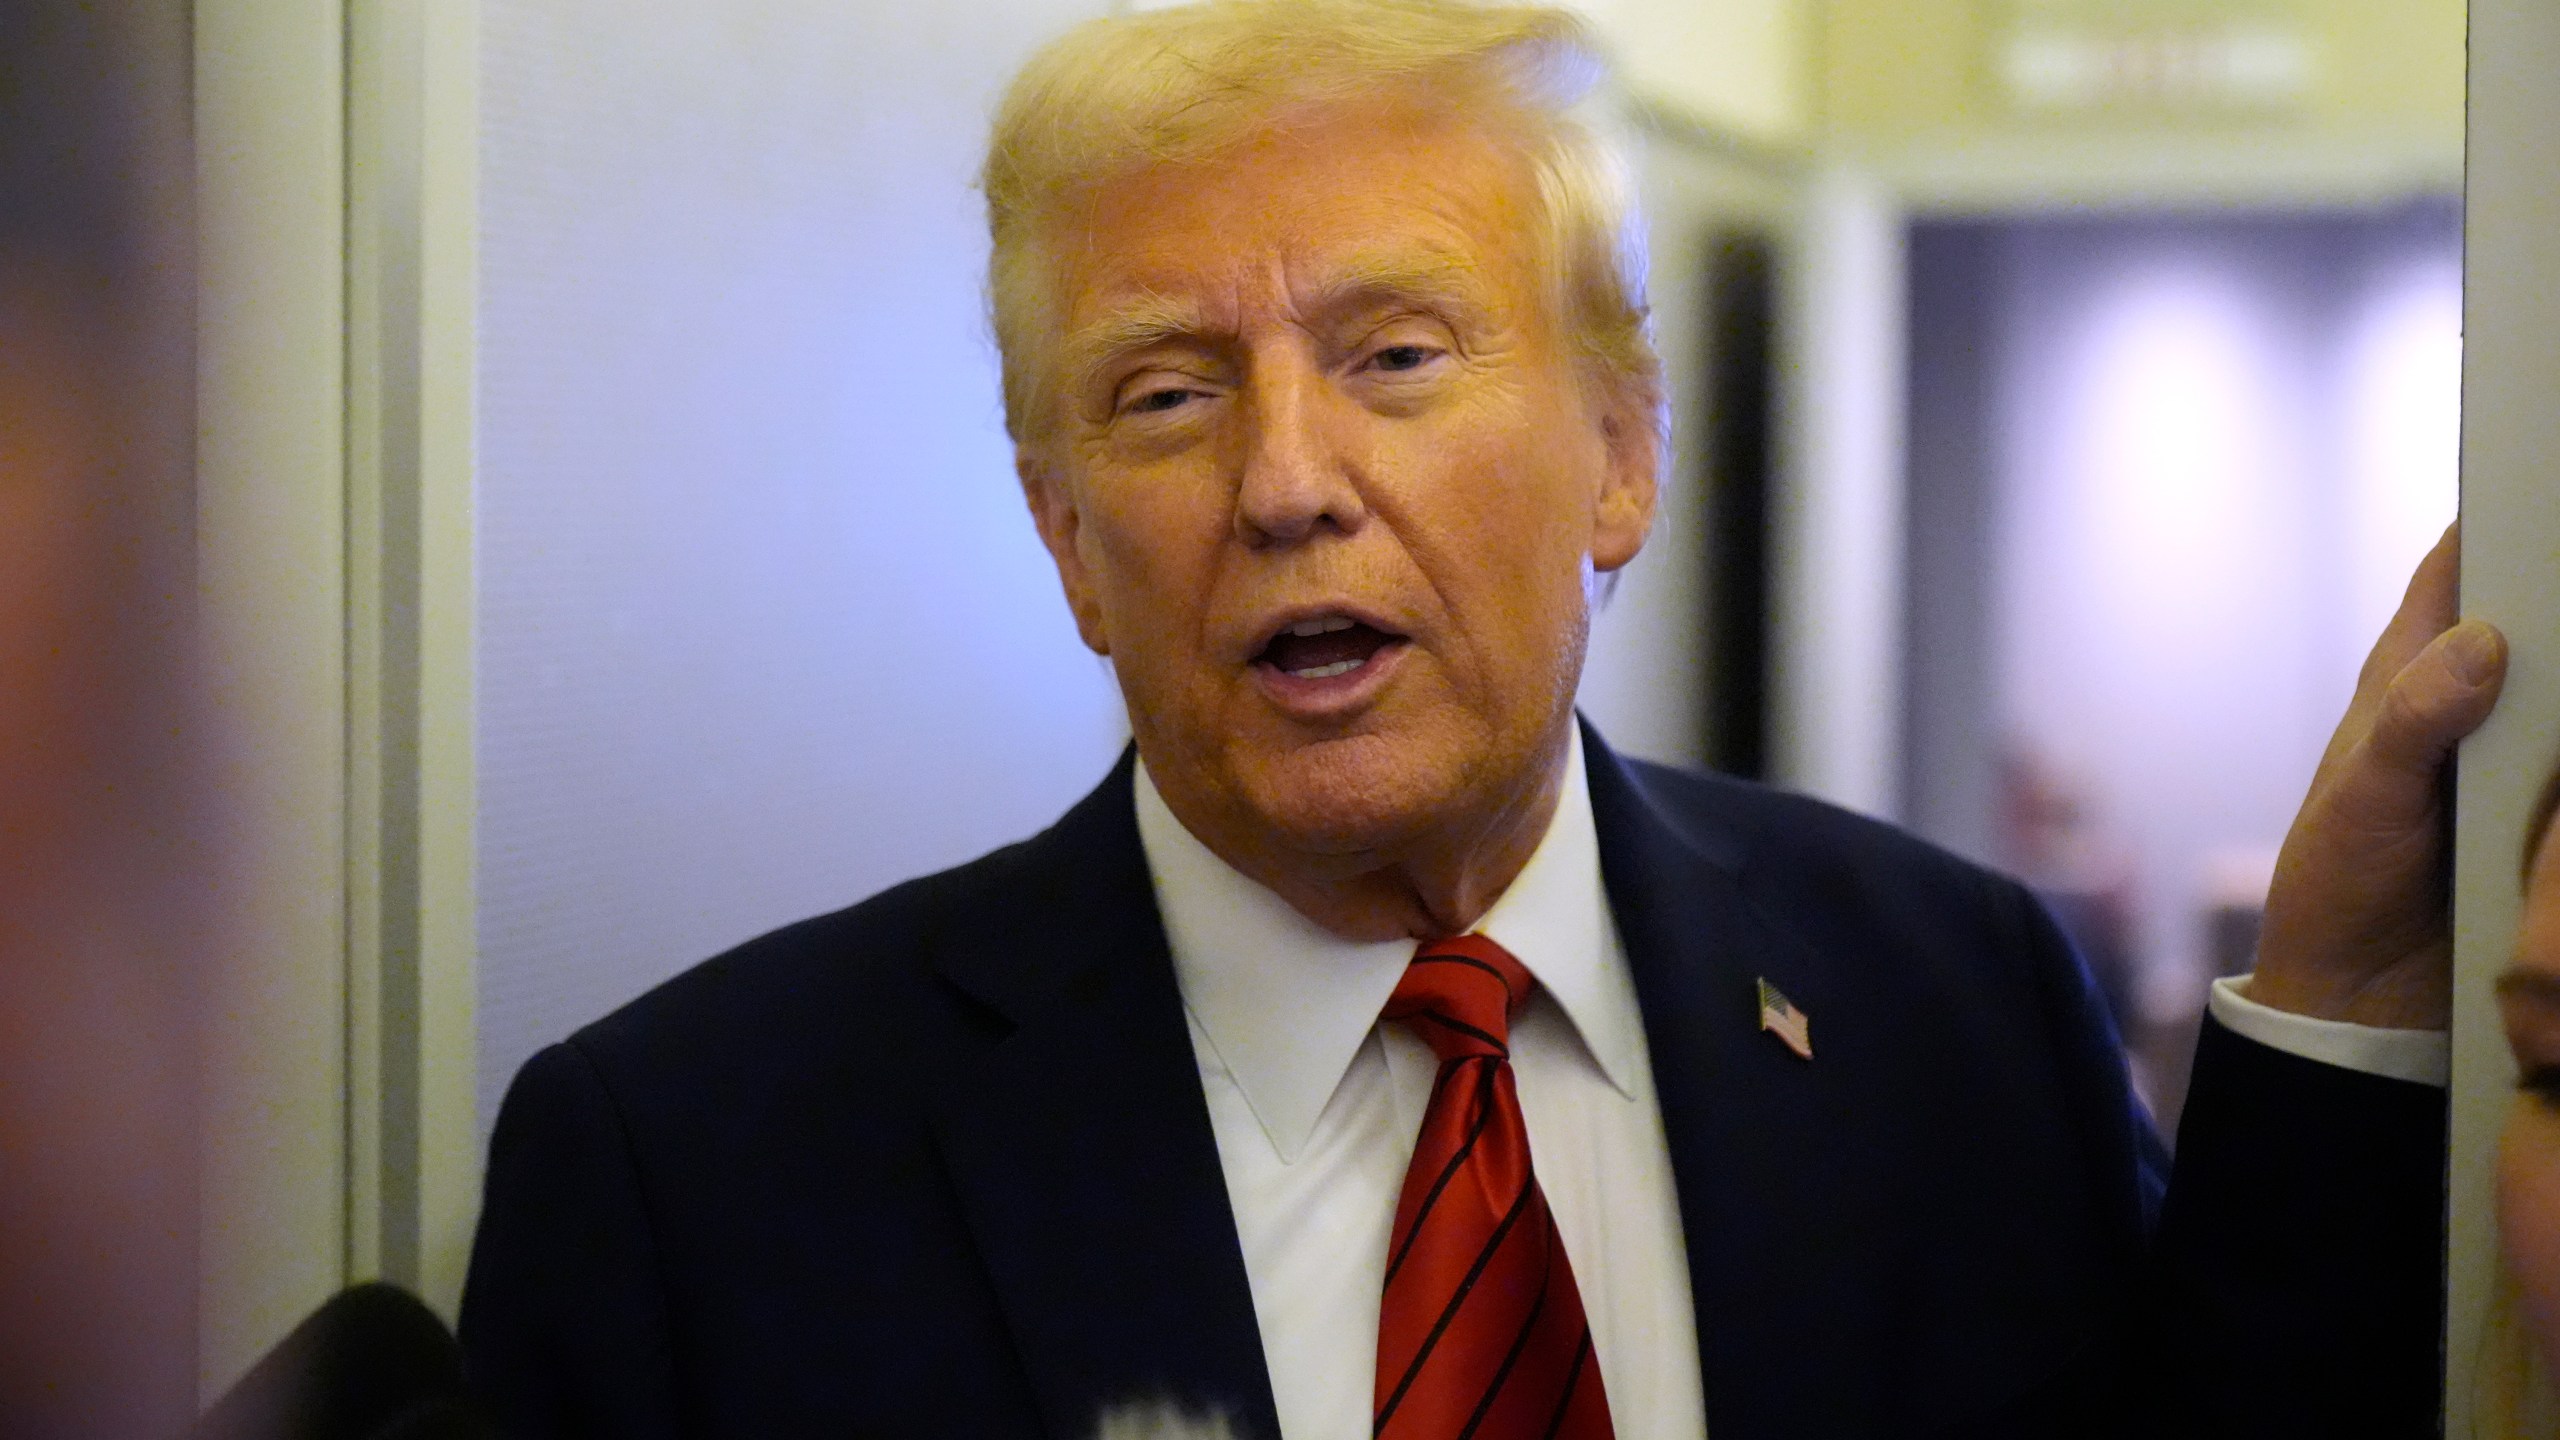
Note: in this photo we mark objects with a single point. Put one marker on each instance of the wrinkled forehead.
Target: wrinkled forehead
(1347, 203)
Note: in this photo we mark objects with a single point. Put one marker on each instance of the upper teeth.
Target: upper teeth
(1325, 626)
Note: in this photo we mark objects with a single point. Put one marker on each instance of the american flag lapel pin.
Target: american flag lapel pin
(1780, 1017)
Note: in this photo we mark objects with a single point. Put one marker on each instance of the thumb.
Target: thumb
(2443, 694)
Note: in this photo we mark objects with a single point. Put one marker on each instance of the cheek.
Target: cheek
(1512, 489)
(1499, 514)
(1542, 450)
(1148, 538)
(2529, 1214)
(1149, 546)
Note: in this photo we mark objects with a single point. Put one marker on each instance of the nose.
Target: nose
(1294, 483)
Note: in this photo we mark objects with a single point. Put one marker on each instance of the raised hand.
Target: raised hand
(2359, 925)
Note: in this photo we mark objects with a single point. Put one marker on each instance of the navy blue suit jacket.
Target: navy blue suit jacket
(940, 1165)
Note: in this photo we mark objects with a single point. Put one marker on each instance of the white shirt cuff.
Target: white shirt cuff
(2424, 1057)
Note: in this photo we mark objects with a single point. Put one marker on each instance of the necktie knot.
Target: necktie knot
(1459, 995)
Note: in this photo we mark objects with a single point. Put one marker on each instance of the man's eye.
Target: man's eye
(2542, 1082)
(1157, 401)
(1403, 357)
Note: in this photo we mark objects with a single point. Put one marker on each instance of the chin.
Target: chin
(1357, 795)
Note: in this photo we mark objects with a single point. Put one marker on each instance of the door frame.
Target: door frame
(2511, 577)
(336, 173)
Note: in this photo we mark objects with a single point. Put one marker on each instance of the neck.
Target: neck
(1436, 884)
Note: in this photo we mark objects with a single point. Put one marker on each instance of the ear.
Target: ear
(1630, 487)
(1053, 510)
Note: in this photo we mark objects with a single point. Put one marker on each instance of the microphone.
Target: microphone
(374, 1363)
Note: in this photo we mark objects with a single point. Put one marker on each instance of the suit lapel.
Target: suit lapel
(1080, 1143)
(1762, 1142)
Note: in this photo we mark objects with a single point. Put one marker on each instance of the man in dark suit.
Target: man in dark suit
(1375, 1052)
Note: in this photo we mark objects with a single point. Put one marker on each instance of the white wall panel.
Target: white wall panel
(764, 627)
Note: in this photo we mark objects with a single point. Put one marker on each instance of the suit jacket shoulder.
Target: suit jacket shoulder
(936, 1164)
(858, 983)
(1819, 865)
(671, 1192)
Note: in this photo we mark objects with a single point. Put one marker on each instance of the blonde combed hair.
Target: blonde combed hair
(1171, 87)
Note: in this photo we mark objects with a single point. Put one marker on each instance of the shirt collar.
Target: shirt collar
(1287, 1004)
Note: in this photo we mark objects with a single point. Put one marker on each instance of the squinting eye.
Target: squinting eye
(2542, 1083)
(1402, 357)
(1158, 401)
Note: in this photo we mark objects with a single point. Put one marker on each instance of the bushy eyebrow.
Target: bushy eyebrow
(1440, 282)
(1433, 280)
(1133, 324)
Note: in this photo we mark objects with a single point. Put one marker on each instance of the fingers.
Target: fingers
(2427, 609)
(2440, 696)
(2436, 584)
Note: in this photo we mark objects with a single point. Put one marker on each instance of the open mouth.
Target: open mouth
(1325, 647)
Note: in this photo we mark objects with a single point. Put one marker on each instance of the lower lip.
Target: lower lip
(1331, 695)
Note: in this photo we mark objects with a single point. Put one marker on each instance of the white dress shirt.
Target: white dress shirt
(1316, 1105)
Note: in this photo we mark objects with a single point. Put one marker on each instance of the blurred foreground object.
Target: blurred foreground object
(372, 1364)
(97, 1135)
(1160, 1421)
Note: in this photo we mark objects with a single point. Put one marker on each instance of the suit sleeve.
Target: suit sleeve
(2288, 1281)
(564, 1319)
(2297, 1267)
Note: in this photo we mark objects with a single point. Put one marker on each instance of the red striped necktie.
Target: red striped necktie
(1481, 1334)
